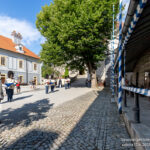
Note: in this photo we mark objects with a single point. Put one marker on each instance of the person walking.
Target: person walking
(89, 80)
(1, 92)
(68, 82)
(10, 84)
(52, 83)
(30, 83)
(1, 89)
(18, 86)
(34, 84)
(60, 83)
(46, 82)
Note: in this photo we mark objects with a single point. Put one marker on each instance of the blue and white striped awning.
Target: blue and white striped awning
(141, 91)
(133, 23)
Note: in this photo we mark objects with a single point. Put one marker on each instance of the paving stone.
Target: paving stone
(84, 123)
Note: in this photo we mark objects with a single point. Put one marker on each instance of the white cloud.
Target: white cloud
(29, 33)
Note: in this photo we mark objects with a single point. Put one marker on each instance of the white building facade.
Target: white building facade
(15, 57)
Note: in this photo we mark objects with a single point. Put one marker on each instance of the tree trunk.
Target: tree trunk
(94, 80)
(92, 73)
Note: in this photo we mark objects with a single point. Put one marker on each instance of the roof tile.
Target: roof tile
(7, 44)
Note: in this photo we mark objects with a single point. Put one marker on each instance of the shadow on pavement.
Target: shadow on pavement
(100, 127)
(54, 91)
(34, 140)
(79, 83)
(24, 115)
(19, 98)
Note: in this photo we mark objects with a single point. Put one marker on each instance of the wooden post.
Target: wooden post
(125, 98)
(136, 108)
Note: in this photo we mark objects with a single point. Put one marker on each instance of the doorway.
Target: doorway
(35, 79)
(3, 78)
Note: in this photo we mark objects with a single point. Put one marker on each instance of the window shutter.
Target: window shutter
(14, 63)
(10, 62)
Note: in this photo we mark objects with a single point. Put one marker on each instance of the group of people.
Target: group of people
(52, 83)
(32, 84)
(9, 86)
(11, 83)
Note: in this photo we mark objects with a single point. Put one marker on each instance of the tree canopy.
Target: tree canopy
(49, 70)
(76, 32)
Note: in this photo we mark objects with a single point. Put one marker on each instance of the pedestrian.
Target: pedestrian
(18, 86)
(52, 84)
(60, 83)
(33, 84)
(89, 80)
(30, 83)
(10, 84)
(1, 90)
(46, 82)
(68, 82)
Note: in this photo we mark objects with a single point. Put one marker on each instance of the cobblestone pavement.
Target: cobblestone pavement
(88, 122)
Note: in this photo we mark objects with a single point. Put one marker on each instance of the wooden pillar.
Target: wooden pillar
(136, 108)
(125, 98)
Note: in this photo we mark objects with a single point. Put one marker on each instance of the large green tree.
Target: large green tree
(49, 70)
(76, 32)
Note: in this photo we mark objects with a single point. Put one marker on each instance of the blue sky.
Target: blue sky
(20, 15)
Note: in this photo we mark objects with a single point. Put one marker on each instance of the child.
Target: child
(18, 86)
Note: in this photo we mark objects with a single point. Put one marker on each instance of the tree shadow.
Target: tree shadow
(25, 115)
(34, 140)
(100, 127)
(19, 98)
(79, 83)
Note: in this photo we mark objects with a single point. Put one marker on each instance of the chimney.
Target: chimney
(19, 38)
(16, 37)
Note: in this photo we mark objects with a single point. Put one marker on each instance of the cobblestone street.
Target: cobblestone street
(88, 122)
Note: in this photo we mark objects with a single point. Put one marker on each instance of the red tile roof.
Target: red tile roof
(7, 44)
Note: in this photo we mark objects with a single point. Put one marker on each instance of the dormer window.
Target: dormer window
(19, 48)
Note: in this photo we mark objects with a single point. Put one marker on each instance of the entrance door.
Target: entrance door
(3, 78)
(35, 79)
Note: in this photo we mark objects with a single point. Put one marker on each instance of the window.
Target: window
(14, 63)
(20, 64)
(20, 48)
(3, 60)
(147, 80)
(35, 66)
